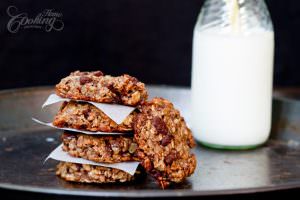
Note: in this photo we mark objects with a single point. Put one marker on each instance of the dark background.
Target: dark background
(149, 39)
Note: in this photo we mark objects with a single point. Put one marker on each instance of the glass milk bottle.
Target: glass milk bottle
(232, 74)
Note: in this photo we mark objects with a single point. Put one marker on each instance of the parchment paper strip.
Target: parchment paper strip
(60, 155)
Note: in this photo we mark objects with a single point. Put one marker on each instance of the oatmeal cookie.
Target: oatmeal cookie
(164, 142)
(97, 87)
(85, 116)
(91, 174)
(108, 149)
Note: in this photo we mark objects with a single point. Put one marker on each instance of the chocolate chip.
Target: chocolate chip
(134, 80)
(170, 158)
(164, 184)
(160, 126)
(190, 142)
(84, 79)
(139, 154)
(117, 97)
(108, 149)
(76, 166)
(166, 140)
(83, 126)
(98, 73)
(86, 113)
(67, 136)
(147, 164)
(155, 173)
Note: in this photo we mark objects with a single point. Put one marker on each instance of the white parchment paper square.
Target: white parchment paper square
(60, 155)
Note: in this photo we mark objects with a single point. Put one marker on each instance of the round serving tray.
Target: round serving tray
(24, 145)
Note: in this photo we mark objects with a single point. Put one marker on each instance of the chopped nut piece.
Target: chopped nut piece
(132, 148)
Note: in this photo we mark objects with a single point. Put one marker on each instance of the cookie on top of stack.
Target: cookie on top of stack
(161, 142)
(75, 114)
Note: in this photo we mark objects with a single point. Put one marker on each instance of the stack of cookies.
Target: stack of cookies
(79, 115)
(154, 134)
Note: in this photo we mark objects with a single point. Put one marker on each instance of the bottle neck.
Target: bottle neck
(233, 9)
(235, 16)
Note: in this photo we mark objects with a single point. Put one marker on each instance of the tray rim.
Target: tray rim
(148, 193)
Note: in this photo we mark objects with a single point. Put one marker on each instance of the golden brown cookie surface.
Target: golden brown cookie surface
(85, 116)
(91, 174)
(164, 142)
(97, 87)
(107, 149)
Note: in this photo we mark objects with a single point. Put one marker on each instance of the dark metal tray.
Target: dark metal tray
(24, 145)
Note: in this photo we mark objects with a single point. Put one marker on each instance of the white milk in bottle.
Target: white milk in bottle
(232, 78)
